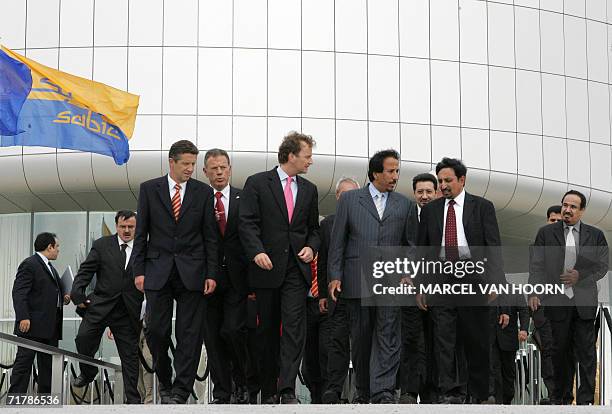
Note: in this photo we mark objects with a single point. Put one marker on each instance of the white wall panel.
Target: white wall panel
(553, 105)
(181, 23)
(13, 24)
(597, 51)
(318, 88)
(552, 46)
(284, 23)
(215, 81)
(383, 135)
(145, 78)
(351, 91)
(175, 128)
(502, 100)
(179, 80)
(530, 158)
(501, 35)
(323, 132)
(528, 102)
(575, 47)
(146, 22)
(414, 90)
(577, 109)
(42, 26)
(473, 31)
(284, 74)
(249, 134)
(414, 28)
(215, 23)
(445, 142)
(475, 148)
(111, 23)
(278, 128)
(575, 7)
(76, 61)
(555, 158)
(351, 26)
(474, 96)
(416, 143)
(444, 29)
(250, 82)
(352, 138)
(599, 113)
(111, 67)
(527, 38)
(383, 27)
(319, 14)
(147, 133)
(383, 88)
(578, 156)
(445, 93)
(250, 23)
(215, 132)
(503, 152)
(76, 23)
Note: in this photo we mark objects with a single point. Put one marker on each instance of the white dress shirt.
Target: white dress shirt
(171, 184)
(462, 243)
(128, 250)
(283, 177)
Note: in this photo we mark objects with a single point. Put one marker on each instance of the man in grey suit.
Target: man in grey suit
(370, 217)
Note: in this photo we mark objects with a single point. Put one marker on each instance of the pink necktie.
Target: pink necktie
(289, 197)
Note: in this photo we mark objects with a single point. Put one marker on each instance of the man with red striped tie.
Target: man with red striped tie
(175, 259)
(279, 229)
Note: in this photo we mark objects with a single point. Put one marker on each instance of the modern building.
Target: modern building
(520, 90)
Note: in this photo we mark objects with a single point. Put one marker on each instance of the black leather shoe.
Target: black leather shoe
(165, 395)
(272, 399)
(220, 401)
(177, 399)
(330, 397)
(253, 397)
(241, 395)
(407, 398)
(360, 399)
(288, 398)
(81, 381)
(450, 399)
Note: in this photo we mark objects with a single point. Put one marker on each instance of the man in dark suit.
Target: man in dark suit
(415, 373)
(373, 216)
(279, 228)
(314, 363)
(38, 302)
(575, 254)
(504, 344)
(460, 227)
(115, 303)
(175, 259)
(226, 330)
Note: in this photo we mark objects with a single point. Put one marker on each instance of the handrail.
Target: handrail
(48, 349)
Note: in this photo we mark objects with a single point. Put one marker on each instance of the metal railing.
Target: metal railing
(60, 383)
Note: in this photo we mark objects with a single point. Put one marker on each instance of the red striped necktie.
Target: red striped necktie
(176, 201)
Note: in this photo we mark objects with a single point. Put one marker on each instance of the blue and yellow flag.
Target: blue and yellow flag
(41, 106)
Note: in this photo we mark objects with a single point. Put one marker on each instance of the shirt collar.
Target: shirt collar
(172, 183)
(459, 200)
(576, 226)
(130, 243)
(225, 192)
(283, 175)
(44, 258)
(374, 191)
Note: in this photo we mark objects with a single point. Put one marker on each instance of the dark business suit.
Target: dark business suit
(414, 377)
(36, 295)
(376, 341)
(461, 324)
(281, 292)
(572, 320)
(504, 344)
(226, 316)
(175, 256)
(115, 303)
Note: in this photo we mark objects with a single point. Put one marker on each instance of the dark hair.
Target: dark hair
(216, 152)
(292, 145)
(124, 214)
(424, 177)
(458, 167)
(43, 240)
(576, 193)
(182, 147)
(553, 209)
(376, 162)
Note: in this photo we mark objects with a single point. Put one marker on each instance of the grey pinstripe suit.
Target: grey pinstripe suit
(375, 331)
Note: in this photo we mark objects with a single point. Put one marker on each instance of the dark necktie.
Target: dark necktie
(450, 233)
(123, 254)
(220, 212)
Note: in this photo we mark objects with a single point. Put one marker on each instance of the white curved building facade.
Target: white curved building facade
(519, 91)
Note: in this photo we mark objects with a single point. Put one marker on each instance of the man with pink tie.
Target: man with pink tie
(279, 230)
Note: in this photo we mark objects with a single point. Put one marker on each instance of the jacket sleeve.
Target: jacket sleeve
(86, 272)
(337, 243)
(250, 220)
(142, 232)
(492, 241)
(211, 238)
(21, 290)
(597, 268)
(313, 241)
(322, 259)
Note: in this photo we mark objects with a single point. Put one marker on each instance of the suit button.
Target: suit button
(175, 238)
(175, 254)
(286, 250)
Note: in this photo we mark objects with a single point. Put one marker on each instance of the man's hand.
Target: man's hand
(139, 283)
(84, 304)
(323, 305)
(421, 301)
(66, 299)
(24, 325)
(109, 335)
(263, 261)
(333, 287)
(491, 297)
(209, 286)
(534, 303)
(503, 320)
(570, 277)
(407, 280)
(306, 255)
(522, 336)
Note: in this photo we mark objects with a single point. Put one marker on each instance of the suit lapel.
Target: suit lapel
(115, 250)
(390, 206)
(164, 193)
(232, 214)
(301, 197)
(46, 268)
(439, 214)
(277, 191)
(468, 210)
(188, 198)
(584, 236)
(365, 200)
(558, 233)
